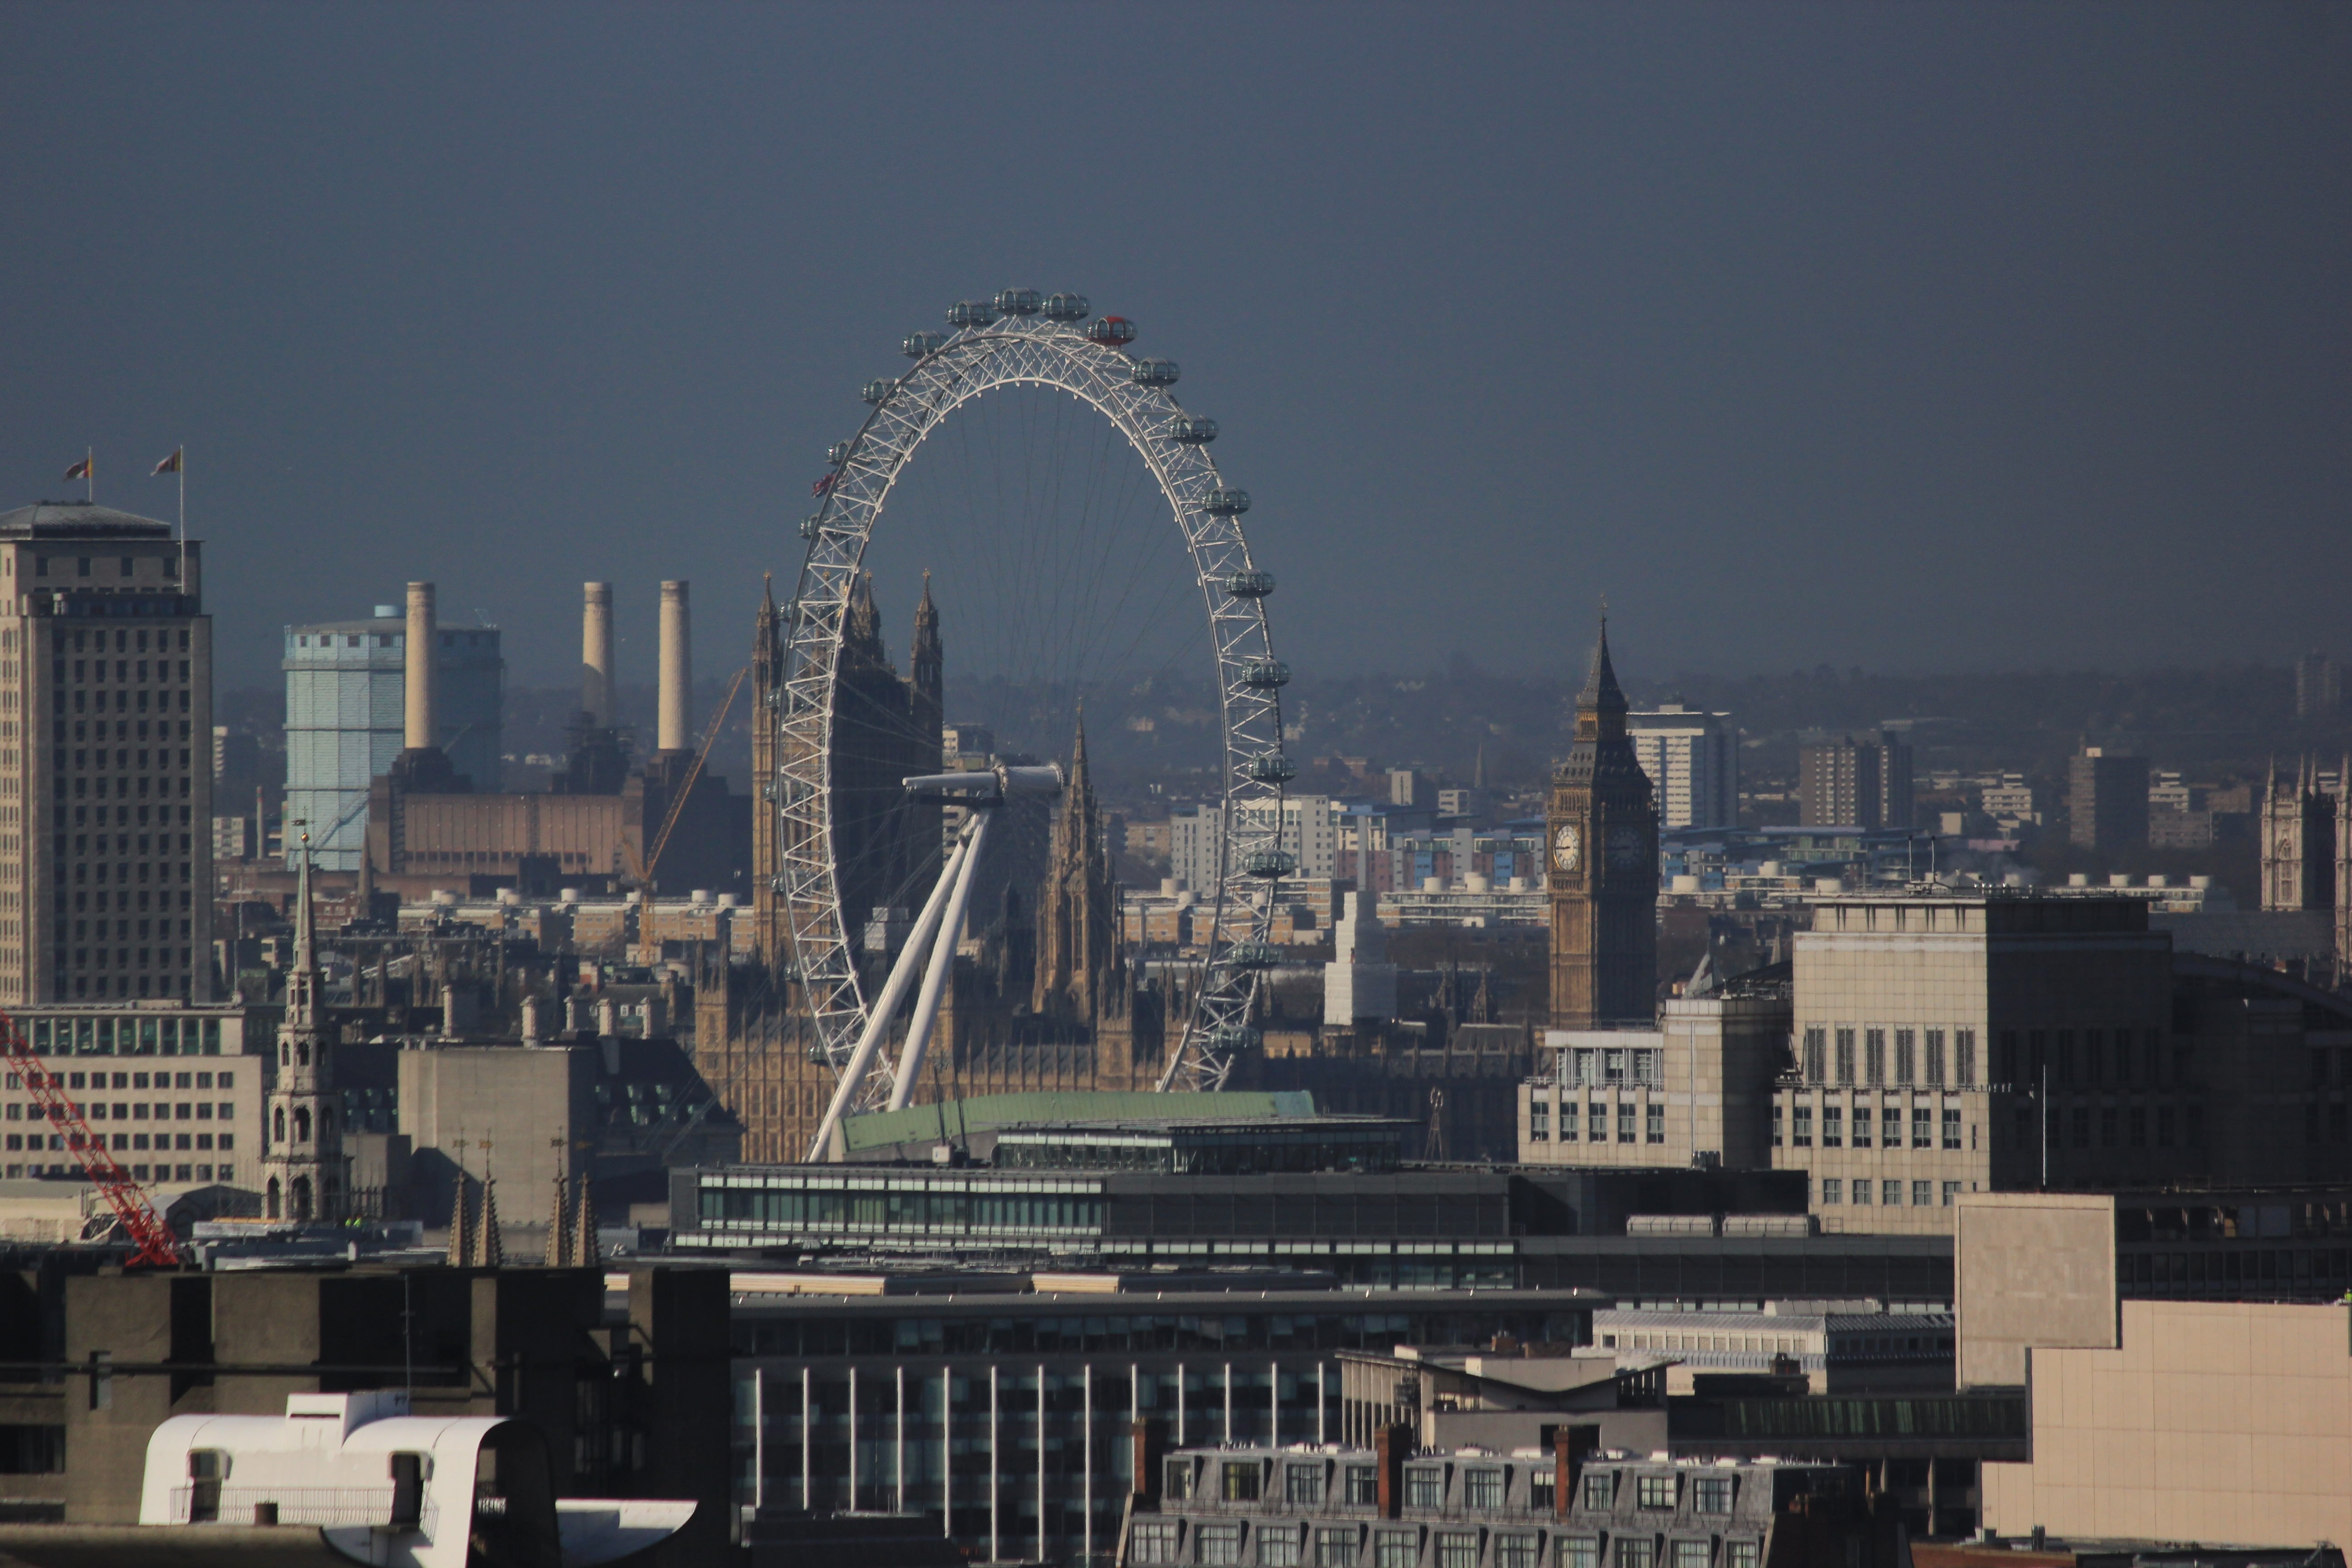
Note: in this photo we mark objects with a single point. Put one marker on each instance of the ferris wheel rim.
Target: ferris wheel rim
(955, 370)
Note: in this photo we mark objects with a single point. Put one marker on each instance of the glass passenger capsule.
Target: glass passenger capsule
(1265, 674)
(1193, 430)
(875, 391)
(1017, 302)
(1225, 503)
(1269, 862)
(1229, 1038)
(1066, 306)
(837, 453)
(915, 345)
(1253, 955)
(1250, 585)
(1111, 331)
(811, 524)
(1271, 767)
(1152, 373)
(970, 313)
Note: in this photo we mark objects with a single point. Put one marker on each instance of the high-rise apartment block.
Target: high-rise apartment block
(2106, 801)
(1850, 783)
(106, 775)
(2319, 686)
(346, 685)
(1693, 761)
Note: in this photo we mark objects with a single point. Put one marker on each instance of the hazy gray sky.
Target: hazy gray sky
(1910, 336)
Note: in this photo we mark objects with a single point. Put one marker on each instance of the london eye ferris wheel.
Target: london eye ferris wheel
(1052, 450)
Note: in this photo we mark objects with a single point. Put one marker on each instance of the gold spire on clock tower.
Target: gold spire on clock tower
(1602, 830)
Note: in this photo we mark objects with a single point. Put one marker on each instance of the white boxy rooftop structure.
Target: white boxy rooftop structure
(387, 1488)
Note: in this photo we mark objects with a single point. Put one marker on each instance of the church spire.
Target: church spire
(303, 978)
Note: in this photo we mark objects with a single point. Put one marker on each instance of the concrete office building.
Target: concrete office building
(105, 759)
(2225, 1420)
(345, 695)
(1921, 1023)
(1695, 1090)
(1693, 761)
(1001, 1406)
(2106, 801)
(176, 1091)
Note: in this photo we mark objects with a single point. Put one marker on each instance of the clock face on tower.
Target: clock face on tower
(1567, 847)
(1625, 847)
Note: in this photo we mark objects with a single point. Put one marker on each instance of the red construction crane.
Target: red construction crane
(156, 1245)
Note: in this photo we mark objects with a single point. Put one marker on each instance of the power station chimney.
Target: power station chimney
(676, 715)
(596, 655)
(423, 718)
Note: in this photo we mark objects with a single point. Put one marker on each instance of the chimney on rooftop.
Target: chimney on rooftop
(596, 654)
(423, 718)
(675, 714)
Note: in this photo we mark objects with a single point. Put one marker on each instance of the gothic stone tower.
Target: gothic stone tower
(2300, 844)
(302, 1169)
(1081, 969)
(1603, 835)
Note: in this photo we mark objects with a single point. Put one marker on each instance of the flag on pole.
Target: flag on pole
(170, 465)
(80, 470)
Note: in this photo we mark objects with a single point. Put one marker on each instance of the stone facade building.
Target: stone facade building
(1602, 829)
(1695, 1090)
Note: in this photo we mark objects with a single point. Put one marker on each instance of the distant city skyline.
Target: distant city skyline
(1916, 339)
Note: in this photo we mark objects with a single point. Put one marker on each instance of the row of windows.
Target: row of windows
(131, 1142)
(2118, 1127)
(1484, 1487)
(97, 757)
(873, 1211)
(88, 986)
(1888, 1124)
(95, 702)
(1228, 1543)
(1654, 1122)
(127, 670)
(1920, 1057)
(139, 1079)
(82, 904)
(82, 870)
(128, 1038)
(147, 957)
(1924, 1194)
(84, 730)
(83, 567)
(387, 639)
(122, 930)
(198, 1172)
(1219, 1335)
(1613, 1065)
(136, 1110)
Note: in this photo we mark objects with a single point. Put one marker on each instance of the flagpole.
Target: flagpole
(89, 476)
(180, 470)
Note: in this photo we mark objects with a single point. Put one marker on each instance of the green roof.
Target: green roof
(953, 1118)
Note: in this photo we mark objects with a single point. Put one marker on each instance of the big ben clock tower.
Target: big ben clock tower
(1601, 835)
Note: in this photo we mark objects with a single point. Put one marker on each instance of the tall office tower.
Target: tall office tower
(303, 1171)
(2106, 801)
(1894, 789)
(1604, 832)
(346, 691)
(2319, 686)
(1693, 761)
(106, 778)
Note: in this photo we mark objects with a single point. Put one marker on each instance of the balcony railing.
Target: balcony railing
(296, 1505)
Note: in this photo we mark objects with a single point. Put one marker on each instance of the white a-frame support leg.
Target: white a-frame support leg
(935, 978)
